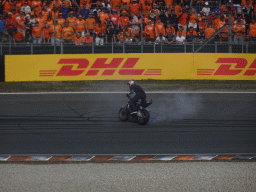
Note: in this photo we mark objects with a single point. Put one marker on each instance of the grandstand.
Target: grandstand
(126, 26)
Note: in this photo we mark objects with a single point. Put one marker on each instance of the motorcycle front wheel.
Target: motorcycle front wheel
(123, 114)
(144, 118)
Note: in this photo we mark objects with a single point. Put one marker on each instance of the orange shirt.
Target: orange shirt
(18, 6)
(58, 30)
(45, 14)
(116, 4)
(72, 21)
(151, 30)
(252, 31)
(221, 23)
(237, 28)
(177, 9)
(135, 8)
(155, 11)
(37, 31)
(170, 29)
(194, 33)
(243, 3)
(79, 41)
(127, 2)
(223, 7)
(114, 18)
(67, 32)
(99, 29)
(67, 3)
(49, 22)
(216, 23)
(224, 32)
(145, 20)
(80, 25)
(90, 22)
(203, 24)
(124, 21)
(209, 32)
(159, 28)
(18, 36)
(15, 16)
(20, 23)
(183, 33)
(146, 10)
(61, 21)
(183, 19)
(89, 40)
(128, 33)
(37, 6)
(46, 33)
(103, 15)
(169, 2)
(192, 18)
(7, 7)
(41, 21)
(121, 37)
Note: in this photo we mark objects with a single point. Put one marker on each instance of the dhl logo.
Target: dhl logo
(224, 68)
(109, 69)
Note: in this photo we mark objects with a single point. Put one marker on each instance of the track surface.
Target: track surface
(88, 124)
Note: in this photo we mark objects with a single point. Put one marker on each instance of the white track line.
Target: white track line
(149, 92)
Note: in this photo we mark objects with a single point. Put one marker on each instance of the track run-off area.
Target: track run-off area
(88, 123)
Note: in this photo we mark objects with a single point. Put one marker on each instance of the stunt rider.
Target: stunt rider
(140, 94)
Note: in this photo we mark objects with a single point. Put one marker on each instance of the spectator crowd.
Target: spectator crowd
(83, 22)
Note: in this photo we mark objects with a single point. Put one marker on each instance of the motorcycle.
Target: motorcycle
(142, 115)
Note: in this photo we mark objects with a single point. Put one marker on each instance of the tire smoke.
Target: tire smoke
(176, 107)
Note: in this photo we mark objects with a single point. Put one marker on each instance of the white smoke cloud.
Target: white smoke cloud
(175, 107)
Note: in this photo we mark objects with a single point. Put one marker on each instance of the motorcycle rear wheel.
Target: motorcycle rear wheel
(145, 117)
(123, 114)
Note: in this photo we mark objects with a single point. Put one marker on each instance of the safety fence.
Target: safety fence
(186, 47)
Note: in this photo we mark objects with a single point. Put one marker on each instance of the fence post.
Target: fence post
(242, 46)
(193, 45)
(31, 48)
(161, 46)
(154, 48)
(246, 46)
(185, 47)
(112, 46)
(10, 48)
(61, 48)
(93, 48)
(141, 47)
(123, 48)
(216, 47)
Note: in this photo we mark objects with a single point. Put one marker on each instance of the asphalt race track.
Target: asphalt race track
(88, 123)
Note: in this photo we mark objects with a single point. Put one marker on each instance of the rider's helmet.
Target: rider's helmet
(130, 83)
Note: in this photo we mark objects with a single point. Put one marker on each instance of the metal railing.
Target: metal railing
(187, 47)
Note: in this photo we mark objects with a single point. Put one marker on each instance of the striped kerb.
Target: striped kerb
(224, 157)
(144, 158)
(61, 158)
(102, 158)
(19, 158)
(183, 157)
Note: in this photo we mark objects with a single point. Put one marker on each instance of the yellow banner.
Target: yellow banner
(98, 67)
(225, 66)
(159, 66)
